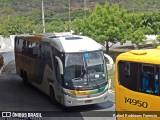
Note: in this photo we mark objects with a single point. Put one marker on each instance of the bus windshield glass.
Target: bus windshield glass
(84, 70)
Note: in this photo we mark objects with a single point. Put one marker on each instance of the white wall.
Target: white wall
(7, 42)
(149, 40)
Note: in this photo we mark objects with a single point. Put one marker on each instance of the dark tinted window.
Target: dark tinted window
(45, 53)
(128, 74)
(139, 77)
(27, 48)
(19, 44)
(149, 82)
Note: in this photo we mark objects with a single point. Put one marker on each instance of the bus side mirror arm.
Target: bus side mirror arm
(111, 62)
(60, 64)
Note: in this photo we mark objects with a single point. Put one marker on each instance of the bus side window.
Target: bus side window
(127, 68)
(44, 52)
(156, 83)
(24, 47)
(128, 71)
(16, 44)
(145, 80)
(19, 45)
(35, 50)
(30, 49)
(150, 80)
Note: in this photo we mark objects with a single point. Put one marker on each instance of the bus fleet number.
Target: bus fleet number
(136, 102)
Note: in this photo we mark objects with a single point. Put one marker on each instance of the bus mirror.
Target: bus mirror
(109, 84)
(111, 62)
(60, 64)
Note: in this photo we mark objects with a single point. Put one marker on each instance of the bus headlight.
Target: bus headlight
(69, 94)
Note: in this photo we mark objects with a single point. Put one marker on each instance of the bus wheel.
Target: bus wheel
(52, 95)
(21, 73)
(25, 78)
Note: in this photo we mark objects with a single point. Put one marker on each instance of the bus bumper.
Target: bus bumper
(70, 101)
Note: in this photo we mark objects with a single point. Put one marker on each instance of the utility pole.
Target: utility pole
(85, 8)
(133, 7)
(69, 13)
(69, 10)
(43, 19)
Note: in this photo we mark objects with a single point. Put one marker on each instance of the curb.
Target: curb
(1, 69)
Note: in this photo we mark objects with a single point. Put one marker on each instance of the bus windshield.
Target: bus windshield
(84, 70)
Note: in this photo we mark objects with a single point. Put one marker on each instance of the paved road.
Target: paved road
(8, 56)
(14, 96)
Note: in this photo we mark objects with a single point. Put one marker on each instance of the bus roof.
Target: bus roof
(65, 42)
(143, 56)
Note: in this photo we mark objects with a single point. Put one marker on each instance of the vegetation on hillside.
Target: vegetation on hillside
(111, 23)
(114, 21)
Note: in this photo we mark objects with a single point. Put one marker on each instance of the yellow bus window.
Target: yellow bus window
(150, 79)
(139, 77)
(127, 74)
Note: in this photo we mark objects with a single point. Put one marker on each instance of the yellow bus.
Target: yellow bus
(137, 85)
(69, 68)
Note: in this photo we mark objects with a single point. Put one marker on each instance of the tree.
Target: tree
(55, 26)
(136, 30)
(16, 24)
(104, 24)
(110, 23)
(156, 42)
(152, 19)
(77, 25)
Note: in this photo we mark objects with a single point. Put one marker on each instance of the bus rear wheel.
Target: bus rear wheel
(25, 78)
(52, 96)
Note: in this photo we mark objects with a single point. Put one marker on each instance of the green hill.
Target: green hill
(58, 8)
(27, 13)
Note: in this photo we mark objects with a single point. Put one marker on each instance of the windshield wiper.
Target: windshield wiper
(77, 78)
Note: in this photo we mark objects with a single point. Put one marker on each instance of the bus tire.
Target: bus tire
(25, 78)
(52, 95)
(21, 73)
